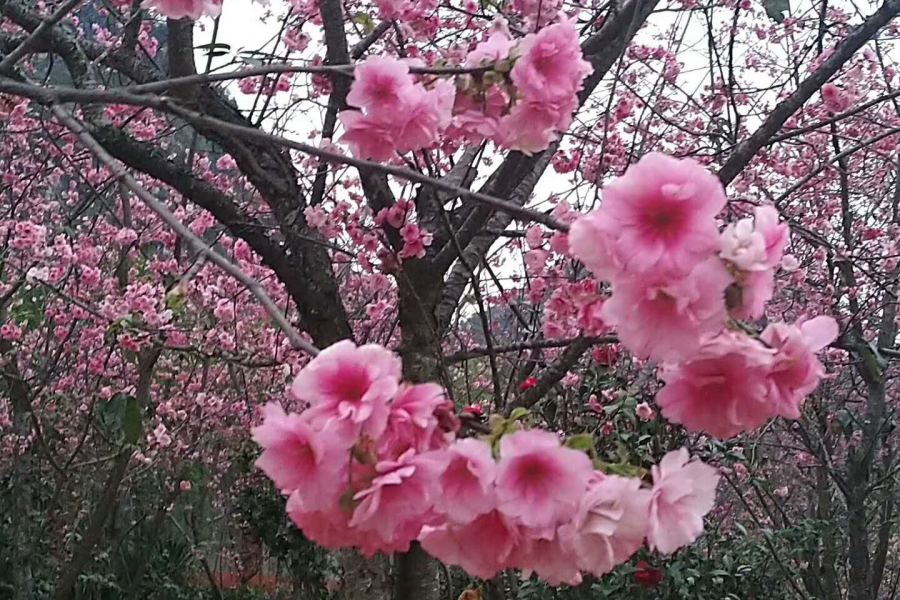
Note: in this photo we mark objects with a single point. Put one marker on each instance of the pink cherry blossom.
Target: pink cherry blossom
(398, 501)
(550, 65)
(481, 547)
(610, 524)
(295, 456)
(369, 137)
(743, 246)
(722, 389)
(349, 389)
(643, 411)
(179, 9)
(495, 48)
(776, 234)
(752, 290)
(467, 482)
(552, 558)
(590, 244)
(661, 215)
(797, 371)
(380, 84)
(533, 125)
(667, 319)
(684, 491)
(412, 422)
(423, 115)
(539, 482)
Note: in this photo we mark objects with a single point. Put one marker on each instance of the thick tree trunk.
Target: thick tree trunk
(365, 579)
(417, 575)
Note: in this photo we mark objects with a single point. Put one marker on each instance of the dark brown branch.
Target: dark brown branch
(471, 353)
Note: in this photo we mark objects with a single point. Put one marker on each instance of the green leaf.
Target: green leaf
(519, 413)
(131, 425)
(776, 9)
(364, 20)
(581, 441)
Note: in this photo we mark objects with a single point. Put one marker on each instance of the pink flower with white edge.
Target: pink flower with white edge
(481, 547)
(667, 319)
(797, 370)
(660, 215)
(683, 492)
(398, 501)
(348, 389)
(467, 481)
(539, 482)
(755, 244)
(610, 524)
(380, 84)
(295, 456)
(743, 246)
(721, 390)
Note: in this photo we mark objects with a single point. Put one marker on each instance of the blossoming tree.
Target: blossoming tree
(181, 272)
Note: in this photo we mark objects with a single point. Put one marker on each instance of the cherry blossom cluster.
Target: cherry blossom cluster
(520, 95)
(678, 284)
(375, 464)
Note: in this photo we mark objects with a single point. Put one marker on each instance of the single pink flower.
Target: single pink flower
(295, 456)
(539, 482)
(398, 501)
(550, 64)
(532, 125)
(467, 481)
(660, 215)
(667, 319)
(683, 492)
(348, 389)
(423, 116)
(411, 420)
(328, 527)
(369, 137)
(380, 84)
(610, 524)
(643, 411)
(797, 371)
(722, 389)
(553, 558)
(481, 547)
